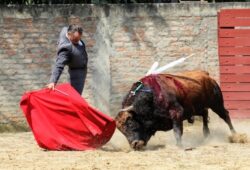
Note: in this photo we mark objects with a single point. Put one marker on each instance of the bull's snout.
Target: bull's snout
(137, 144)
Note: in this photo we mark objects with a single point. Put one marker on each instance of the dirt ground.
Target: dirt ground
(20, 151)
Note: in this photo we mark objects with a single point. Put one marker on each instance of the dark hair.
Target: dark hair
(75, 28)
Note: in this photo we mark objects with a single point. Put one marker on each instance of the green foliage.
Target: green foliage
(32, 2)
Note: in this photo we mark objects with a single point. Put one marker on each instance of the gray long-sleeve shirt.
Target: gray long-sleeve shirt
(73, 55)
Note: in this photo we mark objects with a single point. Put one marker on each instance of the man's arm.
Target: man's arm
(63, 57)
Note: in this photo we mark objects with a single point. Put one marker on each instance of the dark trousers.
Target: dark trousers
(77, 79)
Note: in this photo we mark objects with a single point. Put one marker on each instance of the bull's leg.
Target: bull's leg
(206, 131)
(176, 113)
(178, 131)
(217, 105)
(224, 114)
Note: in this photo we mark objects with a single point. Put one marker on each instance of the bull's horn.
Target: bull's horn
(127, 109)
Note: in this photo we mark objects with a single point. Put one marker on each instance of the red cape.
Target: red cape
(63, 120)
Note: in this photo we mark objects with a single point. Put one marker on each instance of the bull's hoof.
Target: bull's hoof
(137, 144)
(206, 132)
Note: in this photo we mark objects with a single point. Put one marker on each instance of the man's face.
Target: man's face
(75, 37)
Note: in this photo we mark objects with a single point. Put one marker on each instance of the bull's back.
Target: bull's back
(198, 86)
(195, 76)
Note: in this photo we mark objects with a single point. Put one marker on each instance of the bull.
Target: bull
(162, 102)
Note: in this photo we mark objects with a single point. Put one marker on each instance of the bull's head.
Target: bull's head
(126, 123)
(133, 120)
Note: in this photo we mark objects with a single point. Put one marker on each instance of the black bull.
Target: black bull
(162, 102)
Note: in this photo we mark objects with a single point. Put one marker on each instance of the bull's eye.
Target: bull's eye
(129, 122)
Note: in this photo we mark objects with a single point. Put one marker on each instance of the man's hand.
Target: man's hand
(51, 86)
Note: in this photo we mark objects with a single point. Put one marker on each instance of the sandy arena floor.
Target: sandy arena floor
(20, 151)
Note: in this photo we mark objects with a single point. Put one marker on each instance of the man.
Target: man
(71, 52)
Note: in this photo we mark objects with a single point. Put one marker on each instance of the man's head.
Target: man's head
(74, 33)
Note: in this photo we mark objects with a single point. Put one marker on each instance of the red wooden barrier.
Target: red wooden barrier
(234, 58)
(235, 87)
